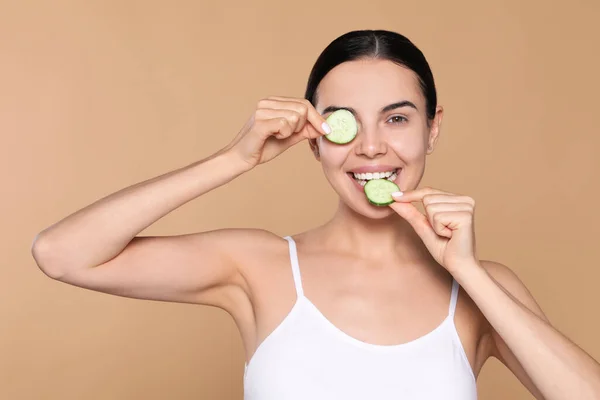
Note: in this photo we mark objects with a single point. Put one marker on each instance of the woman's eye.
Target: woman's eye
(397, 119)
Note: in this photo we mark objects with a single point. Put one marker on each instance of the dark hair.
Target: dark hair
(377, 44)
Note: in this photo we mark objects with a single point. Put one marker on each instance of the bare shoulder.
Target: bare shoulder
(262, 268)
(515, 288)
(500, 272)
(252, 250)
(512, 284)
(248, 238)
(247, 246)
(497, 347)
(483, 341)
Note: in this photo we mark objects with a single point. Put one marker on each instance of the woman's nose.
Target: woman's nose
(370, 143)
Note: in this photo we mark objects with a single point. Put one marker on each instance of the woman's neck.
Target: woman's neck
(370, 238)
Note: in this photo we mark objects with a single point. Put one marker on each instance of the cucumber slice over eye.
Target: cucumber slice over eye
(379, 191)
(343, 127)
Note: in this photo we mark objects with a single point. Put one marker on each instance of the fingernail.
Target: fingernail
(326, 128)
(397, 194)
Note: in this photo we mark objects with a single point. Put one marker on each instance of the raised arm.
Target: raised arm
(98, 248)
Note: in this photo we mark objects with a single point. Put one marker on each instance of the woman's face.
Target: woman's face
(393, 133)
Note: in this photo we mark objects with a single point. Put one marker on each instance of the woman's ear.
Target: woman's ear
(314, 146)
(434, 129)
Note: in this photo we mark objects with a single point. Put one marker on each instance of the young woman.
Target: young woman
(378, 302)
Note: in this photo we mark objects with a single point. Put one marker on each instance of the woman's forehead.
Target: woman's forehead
(368, 84)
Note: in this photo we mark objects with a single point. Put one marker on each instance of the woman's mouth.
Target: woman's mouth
(363, 178)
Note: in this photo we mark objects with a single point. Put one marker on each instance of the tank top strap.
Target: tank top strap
(295, 266)
(453, 297)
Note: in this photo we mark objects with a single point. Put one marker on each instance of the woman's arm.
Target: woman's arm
(549, 364)
(523, 338)
(97, 247)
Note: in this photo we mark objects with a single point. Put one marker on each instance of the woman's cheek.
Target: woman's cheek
(332, 155)
(410, 148)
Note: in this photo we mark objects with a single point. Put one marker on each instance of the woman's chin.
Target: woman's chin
(376, 212)
(353, 198)
(368, 210)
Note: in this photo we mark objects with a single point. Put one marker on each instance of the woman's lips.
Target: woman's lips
(361, 188)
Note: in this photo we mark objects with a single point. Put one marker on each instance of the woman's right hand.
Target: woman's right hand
(277, 124)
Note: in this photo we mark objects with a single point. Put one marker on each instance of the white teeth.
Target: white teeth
(375, 175)
(363, 182)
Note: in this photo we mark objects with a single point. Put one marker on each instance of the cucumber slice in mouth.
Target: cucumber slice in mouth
(379, 191)
(343, 127)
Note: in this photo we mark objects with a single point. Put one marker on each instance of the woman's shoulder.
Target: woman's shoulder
(249, 235)
(512, 283)
(251, 246)
(241, 240)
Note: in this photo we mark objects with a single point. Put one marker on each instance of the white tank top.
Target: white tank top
(307, 357)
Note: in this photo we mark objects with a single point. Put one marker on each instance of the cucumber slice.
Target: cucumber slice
(379, 191)
(343, 127)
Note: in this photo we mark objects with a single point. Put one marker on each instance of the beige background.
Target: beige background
(98, 95)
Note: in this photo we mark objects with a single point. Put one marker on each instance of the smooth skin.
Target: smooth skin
(387, 282)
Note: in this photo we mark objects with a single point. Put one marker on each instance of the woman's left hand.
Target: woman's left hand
(446, 228)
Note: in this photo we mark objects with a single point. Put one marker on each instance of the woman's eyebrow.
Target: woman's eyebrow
(400, 104)
(335, 108)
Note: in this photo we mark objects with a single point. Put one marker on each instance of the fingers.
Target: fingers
(431, 196)
(448, 198)
(288, 142)
(294, 119)
(302, 107)
(443, 216)
(279, 127)
(444, 212)
(286, 139)
(416, 219)
(419, 194)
